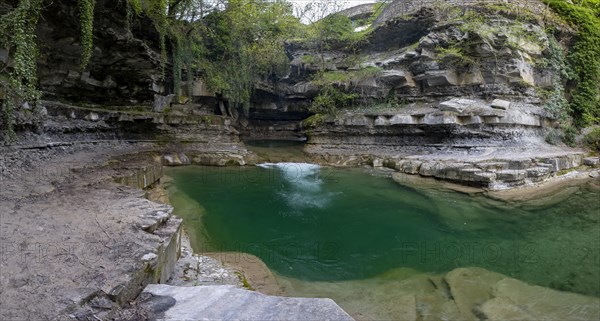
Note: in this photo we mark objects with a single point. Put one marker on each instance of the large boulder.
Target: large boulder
(471, 287)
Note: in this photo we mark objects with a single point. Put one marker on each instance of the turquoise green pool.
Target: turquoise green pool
(316, 225)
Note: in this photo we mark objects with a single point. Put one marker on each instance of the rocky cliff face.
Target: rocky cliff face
(460, 76)
(426, 50)
(122, 94)
(125, 67)
(438, 84)
(447, 70)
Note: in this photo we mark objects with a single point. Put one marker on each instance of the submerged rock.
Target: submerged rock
(470, 287)
(482, 294)
(540, 303)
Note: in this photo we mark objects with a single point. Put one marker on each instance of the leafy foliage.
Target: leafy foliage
(555, 101)
(584, 59)
(455, 56)
(569, 135)
(17, 34)
(331, 99)
(592, 139)
(243, 44)
(334, 27)
(86, 12)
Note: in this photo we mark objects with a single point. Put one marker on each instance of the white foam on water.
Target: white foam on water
(300, 200)
(304, 186)
(266, 165)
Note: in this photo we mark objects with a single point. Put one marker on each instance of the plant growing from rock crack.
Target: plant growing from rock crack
(244, 281)
(331, 99)
(86, 17)
(555, 101)
(592, 139)
(584, 58)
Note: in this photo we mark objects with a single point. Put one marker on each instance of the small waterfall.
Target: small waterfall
(302, 185)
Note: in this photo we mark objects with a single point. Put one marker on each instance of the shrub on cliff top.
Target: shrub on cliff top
(330, 99)
(592, 139)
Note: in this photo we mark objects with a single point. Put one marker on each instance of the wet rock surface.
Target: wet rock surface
(483, 295)
(468, 293)
(82, 247)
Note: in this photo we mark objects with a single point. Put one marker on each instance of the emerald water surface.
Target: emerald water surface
(317, 225)
(286, 150)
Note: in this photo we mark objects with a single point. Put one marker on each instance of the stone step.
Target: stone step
(511, 175)
(227, 302)
(540, 171)
(493, 165)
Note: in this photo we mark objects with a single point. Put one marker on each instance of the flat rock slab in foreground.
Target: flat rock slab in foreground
(227, 302)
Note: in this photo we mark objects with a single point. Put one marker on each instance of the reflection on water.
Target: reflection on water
(320, 228)
(278, 150)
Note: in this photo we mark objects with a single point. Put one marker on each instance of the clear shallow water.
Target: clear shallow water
(323, 228)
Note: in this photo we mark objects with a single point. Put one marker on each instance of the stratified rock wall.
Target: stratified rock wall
(430, 75)
(125, 67)
(423, 53)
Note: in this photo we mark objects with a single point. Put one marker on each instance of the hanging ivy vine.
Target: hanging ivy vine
(555, 101)
(231, 44)
(157, 11)
(177, 65)
(132, 8)
(17, 34)
(584, 58)
(86, 13)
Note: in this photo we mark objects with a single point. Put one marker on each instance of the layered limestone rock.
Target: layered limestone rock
(414, 129)
(143, 177)
(462, 294)
(425, 49)
(125, 67)
(464, 141)
(193, 124)
(502, 172)
(89, 245)
(461, 80)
